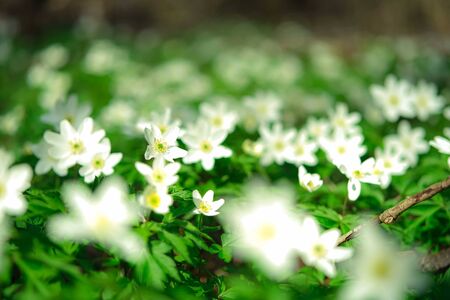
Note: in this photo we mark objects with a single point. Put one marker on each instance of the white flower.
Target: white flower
(311, 182)
(409, 142)
(303, 151)
(69, 110)
(118, 113)
(162, 120)
(205, 145)
(253, 148)
(340, 148)
(104, 57)
(46, 161)
(318, 129)
(160, 175)
(426, 100)
(11, 121)
(13, 182)
(205, 205)
(320, 250)
(261, 109)
(54, 89)
(72, 146)
(356, 173)
(54, 56)
(442, 145)
(447, 113)
(157, 200)
(264, 228)
(277, 144)
(105, 217)
(102, 162)
(344, 122)
(218, 115)
(163, 145)
(379, 271)
(388, 163)
(394, 98)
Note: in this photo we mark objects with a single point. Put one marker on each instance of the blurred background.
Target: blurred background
(333, 17)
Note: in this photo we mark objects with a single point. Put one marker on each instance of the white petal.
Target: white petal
(209, 196)
(144, 169)
(19, 177)
(208, 163)
(354, 189)
(327, 267)
(340, 254)
(217, 204)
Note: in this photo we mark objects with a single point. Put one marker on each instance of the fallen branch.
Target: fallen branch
(436, 262)
(391, 214)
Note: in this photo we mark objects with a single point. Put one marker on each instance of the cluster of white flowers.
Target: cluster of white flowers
(268, 231)
(204, 141)
(46, 75)
(205, 137)
(72, 144)
(239, 68)
(398, 98)
(163, 149)
(340, 138)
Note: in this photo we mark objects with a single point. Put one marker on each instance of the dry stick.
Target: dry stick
(391, 214)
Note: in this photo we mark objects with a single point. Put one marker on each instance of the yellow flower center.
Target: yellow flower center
(98, 162)
(262, 109)
(422, 102)
(204, 207)
(158, 176)
(76, 147)
(340, 122)
(2, 190)
(380, 269)
(300, 150)
(70, 118)
(317, 130)
(163, 128)
(341, 150)
(310, 184)
(217, 121)
(319, 251)
(406, 143)
(387, 164)
(358, 174)
(266, 232)
(377, 172)
(153, 200)
(102, 224)
(279, 145)
(160, 146)
(206, 147)
(394, 100)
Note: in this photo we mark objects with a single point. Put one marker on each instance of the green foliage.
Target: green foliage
(190, 257)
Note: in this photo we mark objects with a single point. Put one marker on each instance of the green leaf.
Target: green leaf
(179, 244)
(166, 263)
(148, 272)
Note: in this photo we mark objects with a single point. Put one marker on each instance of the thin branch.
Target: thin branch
(436, 262)
(390, 215)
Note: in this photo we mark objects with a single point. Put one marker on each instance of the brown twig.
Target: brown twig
(391, 214)
(436, 262)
